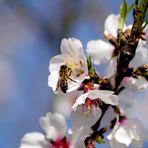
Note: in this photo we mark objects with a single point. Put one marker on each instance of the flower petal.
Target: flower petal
(81, 120)
(80, 100)
(34, 140)
(131, 129)
(54, 125)
(53, 80)
(96, 111)
(122, 135)
(126, 99)
(115, 144)
(77, 137)
(104, 95)
(111, 68)
(72, 47)
(135, 84)
(100, 51)
(140, 58)
(111, 24)
(56, 62)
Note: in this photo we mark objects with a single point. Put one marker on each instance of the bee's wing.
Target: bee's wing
(58, 85)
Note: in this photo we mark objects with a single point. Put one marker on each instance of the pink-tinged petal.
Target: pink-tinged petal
(100, 51)
(111, 24)
(54, 125)
(140, 58)
(80, 100)
(103, 95)
(34, 140)
(71, 47)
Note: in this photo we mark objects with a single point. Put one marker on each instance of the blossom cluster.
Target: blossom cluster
(99, 113)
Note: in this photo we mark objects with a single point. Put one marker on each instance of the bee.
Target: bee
(64, 75)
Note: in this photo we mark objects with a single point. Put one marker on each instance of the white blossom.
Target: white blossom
(140, 58)
(127, 132)
(90, 102)
(72, 56)
(54, 127)
(101, 51)
(34, 140)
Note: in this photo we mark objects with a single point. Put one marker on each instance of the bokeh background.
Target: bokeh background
(30, 34)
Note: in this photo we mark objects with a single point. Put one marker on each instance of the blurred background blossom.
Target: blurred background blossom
(30, 34)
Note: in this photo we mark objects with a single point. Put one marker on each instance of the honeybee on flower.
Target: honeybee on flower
(64, 75)
(69, 69)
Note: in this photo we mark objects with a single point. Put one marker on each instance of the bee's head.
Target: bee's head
(63, 66)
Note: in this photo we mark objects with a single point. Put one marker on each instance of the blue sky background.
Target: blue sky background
(30, 34)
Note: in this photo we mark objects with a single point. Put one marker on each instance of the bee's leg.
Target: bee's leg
(69, 71)
(64, 89)
(72, 79)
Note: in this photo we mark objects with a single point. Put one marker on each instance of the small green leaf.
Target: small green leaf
(91, 69)
(129, 8)
(89, 62)
(124, 11)
(100, 140)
